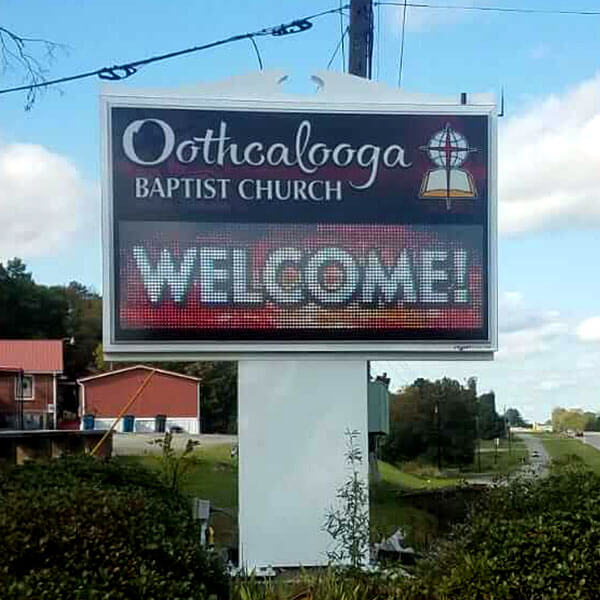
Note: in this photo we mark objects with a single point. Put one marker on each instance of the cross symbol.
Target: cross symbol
(448, 149)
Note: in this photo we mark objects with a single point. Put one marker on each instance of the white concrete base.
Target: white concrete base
(291, 422)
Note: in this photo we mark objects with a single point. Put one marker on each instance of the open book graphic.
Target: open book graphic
(443, 184)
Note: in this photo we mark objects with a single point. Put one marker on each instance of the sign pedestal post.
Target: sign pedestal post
(292, 419)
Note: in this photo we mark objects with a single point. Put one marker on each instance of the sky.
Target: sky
(549, 150)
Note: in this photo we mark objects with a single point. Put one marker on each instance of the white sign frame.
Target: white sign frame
(327, 350)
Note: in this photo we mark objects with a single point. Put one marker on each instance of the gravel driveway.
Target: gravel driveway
(539, 459)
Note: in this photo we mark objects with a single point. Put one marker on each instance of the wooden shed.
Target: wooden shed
(171, 394)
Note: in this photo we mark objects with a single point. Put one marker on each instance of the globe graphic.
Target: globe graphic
(448, 148)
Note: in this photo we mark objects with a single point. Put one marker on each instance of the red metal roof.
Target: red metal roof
(33, 356)
(133, 368)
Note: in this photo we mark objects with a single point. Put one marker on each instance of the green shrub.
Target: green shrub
(534, 539)
(78, 528)
(567, 459)
(328, 584)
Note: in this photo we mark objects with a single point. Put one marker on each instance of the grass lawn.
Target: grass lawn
(501, 462)
(387, 513)
(388, 510)
(404, 481)
(213, 476)
(559, 447)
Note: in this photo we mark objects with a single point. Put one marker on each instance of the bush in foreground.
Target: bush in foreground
(77, 528)
(534, 539)
(329, 584)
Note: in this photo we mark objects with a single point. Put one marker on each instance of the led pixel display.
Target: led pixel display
(301, 227)
(278, 279)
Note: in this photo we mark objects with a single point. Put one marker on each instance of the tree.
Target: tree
(571, 419)
(218, 394)
(513, 418)
(490, 423)
(32, 311)
(29, 58)
(593, 421)
(428, 418)
(83, 327)
(28, 310)
(458, 410)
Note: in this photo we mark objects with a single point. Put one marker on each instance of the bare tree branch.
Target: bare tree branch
(28, 56)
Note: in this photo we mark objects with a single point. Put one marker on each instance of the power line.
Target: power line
(125, 70)
(502, 9)
(402, 36)
(343, 35)
(257, 51)
(340, 44)
(378, 43)
(370, 41)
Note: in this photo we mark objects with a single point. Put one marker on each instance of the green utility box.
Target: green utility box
(378, 399)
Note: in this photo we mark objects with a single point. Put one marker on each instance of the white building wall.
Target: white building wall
(146, 424)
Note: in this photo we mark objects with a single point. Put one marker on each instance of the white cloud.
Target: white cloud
(524, 330)
(420, 18)
(549, 166)
(534, 340)
(553, 384)
(516, 315)
(42, 197)
(589, 330)
(588, 364)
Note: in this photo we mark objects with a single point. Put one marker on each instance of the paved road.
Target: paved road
(592, 438)
(538, 457)
(139, 443)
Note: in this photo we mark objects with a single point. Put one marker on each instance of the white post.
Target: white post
(55, 394)
(81, 407)
(198, 416)
(291, 422)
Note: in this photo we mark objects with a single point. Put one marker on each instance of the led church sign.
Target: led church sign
(298, 228)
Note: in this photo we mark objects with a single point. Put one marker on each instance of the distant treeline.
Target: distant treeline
(440, 422)
(71, 312)
(574, 419)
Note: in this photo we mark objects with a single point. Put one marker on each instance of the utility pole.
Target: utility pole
(361, 38)
(478, 444)
(507, 432)
(438, 432)
(360, 33)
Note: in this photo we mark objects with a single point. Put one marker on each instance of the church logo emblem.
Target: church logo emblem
(448, 150)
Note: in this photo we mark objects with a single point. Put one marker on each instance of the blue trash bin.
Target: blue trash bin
(88, 422)
(128, 423)
(160, 423)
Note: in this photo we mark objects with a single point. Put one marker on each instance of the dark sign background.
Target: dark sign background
(390, 216)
